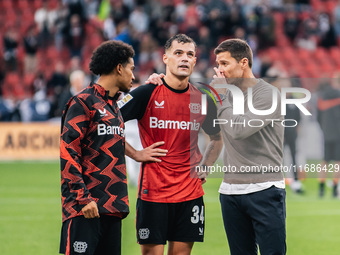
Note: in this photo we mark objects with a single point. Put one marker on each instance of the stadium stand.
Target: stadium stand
(312, 52)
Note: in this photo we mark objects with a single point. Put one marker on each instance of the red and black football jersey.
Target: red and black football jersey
(172, 116)
(92, 153)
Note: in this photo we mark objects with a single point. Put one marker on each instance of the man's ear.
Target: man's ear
(119, 68)
(244, 62)
(165, 58)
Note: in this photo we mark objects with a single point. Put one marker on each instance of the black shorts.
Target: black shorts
(332, 151)
(158, 222)
(98, 236)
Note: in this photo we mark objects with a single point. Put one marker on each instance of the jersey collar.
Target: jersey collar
(176, 90)
(105, 93)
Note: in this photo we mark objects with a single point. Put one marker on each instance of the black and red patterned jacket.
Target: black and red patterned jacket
(92, 153)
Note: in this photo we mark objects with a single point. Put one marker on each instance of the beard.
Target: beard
(124, 89)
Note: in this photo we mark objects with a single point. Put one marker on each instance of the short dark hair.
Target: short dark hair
(238, 49)
(108, 55)
(181, 38)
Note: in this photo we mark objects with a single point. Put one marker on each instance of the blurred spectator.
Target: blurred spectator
(2, 76)
(74, 65)
(180, 12)
(31, 47)
(77, 83)
(204, 43)
(336, 14)
(77, 7)
(191, 29)
(251, 22)
(191, 22)
(267, 63)
(217, 11)
(56, 85)
(109, 28)
(139, 20)
(5, 113)
(120, 12)
(10, 40)
(39, 82)
(9, 110)
(90, 9)
(266, 28)
(45, 19)
(310, 32)
(290, 138)
(148, 50)
(308, 39)
(75, 35)
(36, 109)
(291, 25)
(123, 32)
(329, 120)
(235, 20)
(327, 34)
(167, 11)
(62, 12)
(240, 33)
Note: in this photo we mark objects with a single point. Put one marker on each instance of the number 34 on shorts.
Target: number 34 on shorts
(198, 214)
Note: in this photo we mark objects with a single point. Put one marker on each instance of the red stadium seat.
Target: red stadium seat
(320, 53)
(11, 84)
(274, 53)
(23, 4)
(335, 54)
(7, 5)
(37, 4)
(330, 6)
(288, 54)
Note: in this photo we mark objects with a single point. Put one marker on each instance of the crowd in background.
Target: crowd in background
(44, 42)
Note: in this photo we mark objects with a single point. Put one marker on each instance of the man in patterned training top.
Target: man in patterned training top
(170, 201)
(93, 173)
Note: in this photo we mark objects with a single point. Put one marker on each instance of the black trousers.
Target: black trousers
(255, 220)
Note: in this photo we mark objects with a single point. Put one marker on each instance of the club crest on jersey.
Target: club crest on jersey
(80, 247)
(102, 112)
(159, 105)
(144, 233)
(195, 107)
(125, 100)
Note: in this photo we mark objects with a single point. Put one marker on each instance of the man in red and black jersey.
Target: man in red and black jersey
(93, 173)
(170, 201)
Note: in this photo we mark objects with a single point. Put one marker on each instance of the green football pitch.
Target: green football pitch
(30, 215)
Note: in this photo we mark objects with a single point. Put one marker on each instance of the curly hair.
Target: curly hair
(181, 38)
(108, 55)
(237, 48)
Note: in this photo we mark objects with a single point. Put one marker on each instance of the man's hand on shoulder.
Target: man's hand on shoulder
(155, 79)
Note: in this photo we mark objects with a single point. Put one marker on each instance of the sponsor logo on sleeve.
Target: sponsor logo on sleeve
(124, 101)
